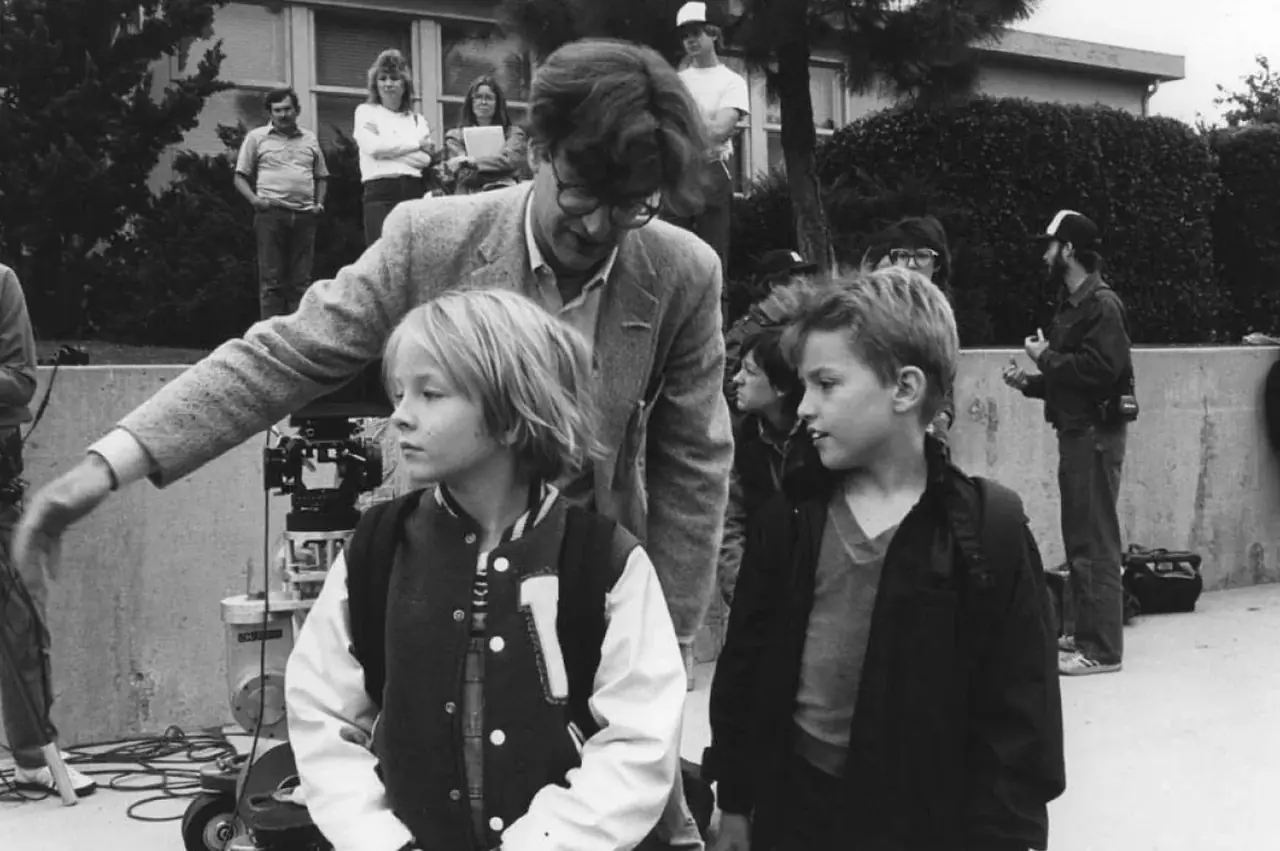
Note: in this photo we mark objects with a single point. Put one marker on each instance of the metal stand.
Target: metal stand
(52, 756)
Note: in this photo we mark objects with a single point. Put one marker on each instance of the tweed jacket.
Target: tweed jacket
(659, 355)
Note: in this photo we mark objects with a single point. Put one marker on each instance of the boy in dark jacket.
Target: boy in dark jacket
(884, 686)
(768, 443)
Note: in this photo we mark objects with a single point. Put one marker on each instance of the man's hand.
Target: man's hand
(37, 541)
(1014, 376)
(1035, 346)
(734, 833)
(261, 204)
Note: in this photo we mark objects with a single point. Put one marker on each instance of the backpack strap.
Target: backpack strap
(592, 557)
(989, 538)
(370, 556)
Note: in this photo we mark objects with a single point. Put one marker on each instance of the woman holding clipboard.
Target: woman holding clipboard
(394, 141)
(485, 150)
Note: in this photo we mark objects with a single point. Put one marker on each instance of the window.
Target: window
(255, 41)
(470, 50)
(827, 96)
(345, 46)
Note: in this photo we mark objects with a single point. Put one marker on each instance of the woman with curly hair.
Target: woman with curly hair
(394, 141)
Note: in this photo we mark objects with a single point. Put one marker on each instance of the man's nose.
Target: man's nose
(598, 223)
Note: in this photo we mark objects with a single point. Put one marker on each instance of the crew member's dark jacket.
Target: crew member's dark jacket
(956, 741)
(1088, 360)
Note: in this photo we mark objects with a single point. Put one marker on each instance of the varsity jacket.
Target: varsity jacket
(539, 794)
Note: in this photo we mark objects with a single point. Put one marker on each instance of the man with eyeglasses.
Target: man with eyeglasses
(918, 243)
(614, 136)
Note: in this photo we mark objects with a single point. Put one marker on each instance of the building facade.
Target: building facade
(323, 48)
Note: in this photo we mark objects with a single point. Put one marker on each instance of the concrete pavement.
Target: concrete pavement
(1179, 752)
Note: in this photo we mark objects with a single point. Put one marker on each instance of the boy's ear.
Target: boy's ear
(910, 389)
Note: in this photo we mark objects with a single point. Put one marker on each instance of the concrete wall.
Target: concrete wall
(138, 636)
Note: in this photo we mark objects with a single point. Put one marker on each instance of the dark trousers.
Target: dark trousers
(1089, 465)
(712, 223)
(811, 806)
(22, 619)
(286, 249)
(381, 195)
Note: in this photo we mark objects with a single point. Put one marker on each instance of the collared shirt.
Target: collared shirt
(283, 168)
(583, 311)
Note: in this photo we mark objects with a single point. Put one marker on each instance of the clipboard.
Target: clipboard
(484, 142)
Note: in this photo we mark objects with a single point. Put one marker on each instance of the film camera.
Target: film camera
(246, 802)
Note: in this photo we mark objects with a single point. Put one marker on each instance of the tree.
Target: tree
(1258, 103)
(921, 51)
(81, 131)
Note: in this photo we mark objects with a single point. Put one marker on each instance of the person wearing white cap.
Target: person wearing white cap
(1087, 384)
(721, 95)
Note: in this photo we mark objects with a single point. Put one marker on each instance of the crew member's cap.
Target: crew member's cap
(691, 13)
(1075, 228)
(783, 261)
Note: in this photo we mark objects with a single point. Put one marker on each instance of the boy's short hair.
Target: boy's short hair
(764, 346)
(620, 113)
(529, 373)
(894, 318)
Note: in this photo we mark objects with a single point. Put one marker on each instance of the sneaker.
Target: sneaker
(1067, 644)
(41, 780)
(1079, 665)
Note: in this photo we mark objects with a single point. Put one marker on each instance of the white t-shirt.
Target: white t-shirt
(388, 142)
(714, 89)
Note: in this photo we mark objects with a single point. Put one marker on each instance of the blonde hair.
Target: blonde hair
(529, 373)
(393, 64)
(894, 318)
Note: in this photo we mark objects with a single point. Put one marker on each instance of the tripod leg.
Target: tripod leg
(53, 758)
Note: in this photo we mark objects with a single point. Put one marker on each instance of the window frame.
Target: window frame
(440, 99)
(839, 110)
(309, 22)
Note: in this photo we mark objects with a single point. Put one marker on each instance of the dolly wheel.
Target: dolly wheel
(209, 823)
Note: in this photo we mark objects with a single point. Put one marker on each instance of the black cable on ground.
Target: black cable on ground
(168, 764)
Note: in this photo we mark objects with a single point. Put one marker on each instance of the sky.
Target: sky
(1219, 40)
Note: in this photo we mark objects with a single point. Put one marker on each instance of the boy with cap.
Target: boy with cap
(721, 96)
(1087, 384)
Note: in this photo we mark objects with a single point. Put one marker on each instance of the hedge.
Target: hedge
(186, 272)
(1246, 226)
(996, 170)
(993, 171)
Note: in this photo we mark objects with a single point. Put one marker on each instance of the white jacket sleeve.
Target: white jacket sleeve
(628, 768)
(377, 141)
(330, 719)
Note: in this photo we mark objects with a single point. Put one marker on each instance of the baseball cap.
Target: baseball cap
(691, 13)
(1075, 228)
(782, 261)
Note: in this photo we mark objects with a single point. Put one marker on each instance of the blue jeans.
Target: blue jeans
(1090, 461)
(27, 638)
(286, 249)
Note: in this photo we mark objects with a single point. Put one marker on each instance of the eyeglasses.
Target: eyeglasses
(920, 256)
(576, 201)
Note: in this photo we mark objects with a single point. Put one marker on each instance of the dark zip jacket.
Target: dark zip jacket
(956, 740)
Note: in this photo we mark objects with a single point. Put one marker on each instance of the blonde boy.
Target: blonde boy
(887, 680)
(469, 686)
